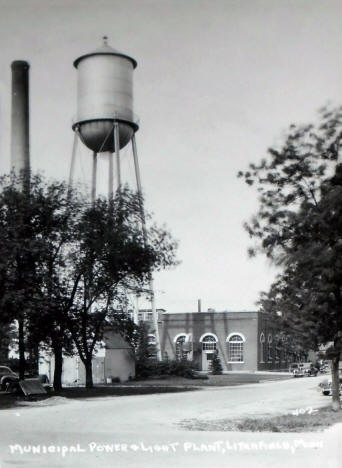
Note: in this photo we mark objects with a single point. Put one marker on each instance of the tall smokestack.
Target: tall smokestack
(20, 144)
(199, 305)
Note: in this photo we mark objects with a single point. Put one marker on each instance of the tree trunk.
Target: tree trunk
(21, 349)
(336, 403)
(34, 358)
(57, 376)
(89, 372)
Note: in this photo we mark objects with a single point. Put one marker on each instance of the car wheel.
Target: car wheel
(4, 384)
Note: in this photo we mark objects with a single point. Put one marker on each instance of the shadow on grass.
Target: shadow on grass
(81, 392)
(12, 400)
(224, 380)
(324, 418)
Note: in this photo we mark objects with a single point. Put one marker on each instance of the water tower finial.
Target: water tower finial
(105, 40)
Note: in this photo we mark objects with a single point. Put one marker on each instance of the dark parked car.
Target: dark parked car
(312, 371)
(7, 377)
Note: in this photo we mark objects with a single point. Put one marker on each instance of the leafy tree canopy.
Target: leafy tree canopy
(299, 227)
(66, 265)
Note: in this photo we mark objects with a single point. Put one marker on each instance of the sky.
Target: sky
(217, 83)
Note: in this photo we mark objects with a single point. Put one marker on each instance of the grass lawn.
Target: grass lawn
(224, 380)
(81, 392)
(324, 418)
(166, 384)
(12, 400)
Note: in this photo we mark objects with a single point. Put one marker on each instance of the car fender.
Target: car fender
(5, 379)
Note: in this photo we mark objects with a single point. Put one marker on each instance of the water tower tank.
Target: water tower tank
(105, 95)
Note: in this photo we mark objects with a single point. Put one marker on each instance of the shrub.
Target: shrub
(152, 368)
(216, 366)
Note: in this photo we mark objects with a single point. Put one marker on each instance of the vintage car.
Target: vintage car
(11, 383)
(312, 371)
(326, 385)
(7, 377)
(300, 369)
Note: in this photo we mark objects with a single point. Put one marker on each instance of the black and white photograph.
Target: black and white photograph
(170, 233)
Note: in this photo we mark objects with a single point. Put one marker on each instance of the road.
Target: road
(138, 431)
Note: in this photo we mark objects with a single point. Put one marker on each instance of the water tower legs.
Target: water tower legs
(111, 177)
(94, 178)
(116, 136)
(117, 152)
(116, 132)
(139, 189)
(73, 158)
(111, 163)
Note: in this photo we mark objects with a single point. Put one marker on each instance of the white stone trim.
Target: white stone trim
(236, 333)
(178, 336)
(208, 334)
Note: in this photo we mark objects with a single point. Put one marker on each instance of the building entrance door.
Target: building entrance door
(207, 360)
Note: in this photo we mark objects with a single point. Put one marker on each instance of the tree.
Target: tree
(23, 232)
(299, 228)
(107, 255)
(35, 225)
(216, 366)
(47, 325)
(142, 348)
(66, 265)
(7, 335)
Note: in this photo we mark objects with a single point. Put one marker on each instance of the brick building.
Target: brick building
(244, 341)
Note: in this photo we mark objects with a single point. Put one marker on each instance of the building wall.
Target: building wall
(266, 332)
(119, 364)
(270, 355)
(221, 324)
(73, 369)
(114, 360)
(119, 358)
(275, 355)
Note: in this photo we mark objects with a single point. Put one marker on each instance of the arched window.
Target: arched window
(179, 340)
(269, 347)
(262, 347)
(235, 347)
(209, 343)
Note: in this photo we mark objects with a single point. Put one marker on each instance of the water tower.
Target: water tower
(105, 120)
